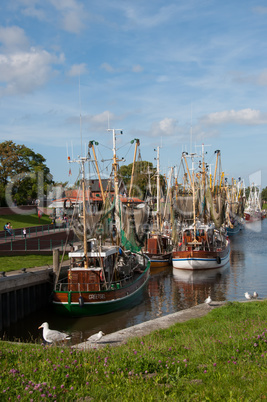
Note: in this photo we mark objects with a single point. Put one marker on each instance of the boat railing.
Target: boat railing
(63, 285)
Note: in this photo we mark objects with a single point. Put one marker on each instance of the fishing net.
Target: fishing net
(135, 223)
(215, 207)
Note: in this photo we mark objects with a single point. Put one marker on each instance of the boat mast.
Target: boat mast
(215, 172)
(184, 154)
(137, 143)
(82, 160)
(158, 191)
(116, 180)
(91, 145)
(167, 196)
(194, 203)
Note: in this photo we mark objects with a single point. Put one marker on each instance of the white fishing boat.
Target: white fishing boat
(201, 245)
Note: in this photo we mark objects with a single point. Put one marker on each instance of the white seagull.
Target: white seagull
(96, 337)
(255, 295)
(208, 300)
(51, 335)
(248, 296)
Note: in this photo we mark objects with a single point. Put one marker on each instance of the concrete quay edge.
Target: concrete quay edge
(119, 337)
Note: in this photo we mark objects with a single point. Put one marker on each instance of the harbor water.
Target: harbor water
(168, 291)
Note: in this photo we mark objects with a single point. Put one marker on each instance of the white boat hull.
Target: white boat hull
(196, 264)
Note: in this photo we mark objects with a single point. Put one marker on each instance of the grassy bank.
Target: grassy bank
(24, 221)
(26, 261)
(220, 357)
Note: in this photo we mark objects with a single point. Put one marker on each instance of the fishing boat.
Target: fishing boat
(252, 210)
(203, 247)
(104, 274)
(202, 242)
(235, 207)
(158, 245)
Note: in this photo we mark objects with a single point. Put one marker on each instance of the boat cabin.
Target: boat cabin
(157, 244)
(100, 268)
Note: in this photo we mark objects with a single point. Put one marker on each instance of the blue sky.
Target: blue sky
(171, 73)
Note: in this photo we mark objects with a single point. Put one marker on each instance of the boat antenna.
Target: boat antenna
(191, 131)
(80, 117)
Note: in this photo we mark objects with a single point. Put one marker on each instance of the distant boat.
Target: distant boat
(158, 250)
(234, 228)
(252, 210)
(235, 207)
(158, 246)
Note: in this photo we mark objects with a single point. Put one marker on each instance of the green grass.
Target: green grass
(26, 261)
(220, 357)
(23, 221)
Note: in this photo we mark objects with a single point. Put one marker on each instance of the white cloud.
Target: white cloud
(22, 69)
(166, 126)
(73, 14)
(101, 118)
(65, 4)
(97, 122)
(260, 10)
(137, 68)
(107, 67)
(13, 38)
(147, 19)
(262, 78)
(77, 69)
(241, 117)
(34, 12)
(162, 78)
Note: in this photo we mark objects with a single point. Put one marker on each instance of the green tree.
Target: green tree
(143, 170)
(264, 195)
(23, 171)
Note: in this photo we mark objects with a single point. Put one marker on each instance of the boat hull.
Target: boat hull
(233, 230)
(200, 259)
(253, 216)
(159, 260)
(100, 302)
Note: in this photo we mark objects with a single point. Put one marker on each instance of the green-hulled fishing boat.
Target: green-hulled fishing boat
(105, 276)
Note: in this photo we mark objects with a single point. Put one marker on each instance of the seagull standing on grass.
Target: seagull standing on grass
(248, 296)
(51, 335)
(208, 300)
(255, 295)
(96, 337)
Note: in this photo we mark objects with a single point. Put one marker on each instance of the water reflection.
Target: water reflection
(194, 287)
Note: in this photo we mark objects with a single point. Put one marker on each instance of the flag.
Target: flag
(70, 172)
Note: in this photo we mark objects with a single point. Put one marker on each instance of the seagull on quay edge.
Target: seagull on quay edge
(248, 296)
(96, 337)
(51, 335)
(255, 295)
(208, 300)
